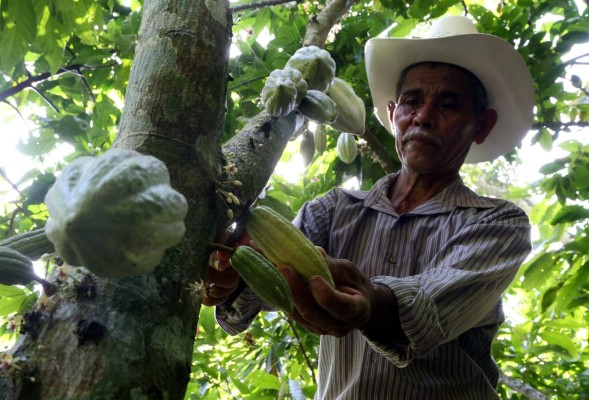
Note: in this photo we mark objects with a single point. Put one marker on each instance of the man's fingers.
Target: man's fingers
(224, 279)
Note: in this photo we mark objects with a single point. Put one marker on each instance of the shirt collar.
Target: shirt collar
(454, 195)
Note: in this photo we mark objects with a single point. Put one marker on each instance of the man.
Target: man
(419, 261)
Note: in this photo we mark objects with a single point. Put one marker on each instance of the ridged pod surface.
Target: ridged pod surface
(316, 66)
(283, 91)
(32, 244)
(346, 147)
(115, 214)
(15, 268)
(283, 243)
(262, 277)
(352, 112)
(318, 107)
(320, 138)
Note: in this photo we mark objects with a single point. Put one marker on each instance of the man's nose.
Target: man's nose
(424, 115)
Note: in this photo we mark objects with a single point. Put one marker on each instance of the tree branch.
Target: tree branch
(378, 152)
(38, 78)
(558, 125)
(319, 27)
(522, 388)
(257, 148)
(261, 4)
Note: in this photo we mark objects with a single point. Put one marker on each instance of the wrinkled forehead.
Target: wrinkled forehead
(448, 75)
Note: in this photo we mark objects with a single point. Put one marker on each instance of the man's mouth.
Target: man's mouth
(422, 138)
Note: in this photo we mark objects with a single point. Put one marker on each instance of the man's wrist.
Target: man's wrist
(384, 325)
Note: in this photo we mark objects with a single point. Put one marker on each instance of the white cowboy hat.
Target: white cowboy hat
(455, 40)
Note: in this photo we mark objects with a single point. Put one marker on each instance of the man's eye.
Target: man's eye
(450, 105)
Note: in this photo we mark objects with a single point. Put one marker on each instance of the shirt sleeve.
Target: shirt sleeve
(460, 288)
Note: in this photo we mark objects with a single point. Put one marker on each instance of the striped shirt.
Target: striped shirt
(447, 262)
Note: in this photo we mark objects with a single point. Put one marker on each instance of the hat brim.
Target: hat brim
(498, 66)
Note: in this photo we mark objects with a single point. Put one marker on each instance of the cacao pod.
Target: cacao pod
(307, 147)
(351, 110)
(282, 243)
(15, 268)
(262, 277)
(299, 82)
(318, 107)
(115, 214)
(320, 139)
(316, 65)
(347, 148)
(279, 94)
(32, 244)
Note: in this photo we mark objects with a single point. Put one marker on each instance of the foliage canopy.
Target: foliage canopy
(65, 67)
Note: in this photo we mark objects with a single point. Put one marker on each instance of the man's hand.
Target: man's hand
(221, 279)
(334, 311)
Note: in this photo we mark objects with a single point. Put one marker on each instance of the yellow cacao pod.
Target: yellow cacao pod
(282, 243)
(351, 110)
(262, 277)
(347, 148)
(320, 139)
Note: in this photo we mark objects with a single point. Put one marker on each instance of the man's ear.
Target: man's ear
(486, 123)
(391, 109)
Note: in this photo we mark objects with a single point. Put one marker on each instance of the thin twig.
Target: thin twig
(302, 347)
(261, 4)
(14, 187)
(218, 246)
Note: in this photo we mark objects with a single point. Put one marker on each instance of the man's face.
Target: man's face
(434, 119)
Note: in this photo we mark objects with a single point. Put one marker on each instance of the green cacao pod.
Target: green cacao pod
(320, 139)
(32, 244)
(307, 147)
(347, 148)
(316, 65)
(351, 110)
(15, 268)
(115, 214)
(262, 277)
(318, 107)
(283, 91)
(282, 243)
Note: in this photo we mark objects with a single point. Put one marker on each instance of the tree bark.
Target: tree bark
(522, 388)
(133, 338)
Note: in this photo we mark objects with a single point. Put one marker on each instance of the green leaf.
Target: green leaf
(570, 214)
(263, 380)
(544, 138)
(20, 28)
(549, 296)
(208, 324)
(561, 340)
(535, 271)
(553, 167)
(10, 304)
(11, 291)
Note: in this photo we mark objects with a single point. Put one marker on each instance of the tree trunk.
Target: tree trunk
(133, 338)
